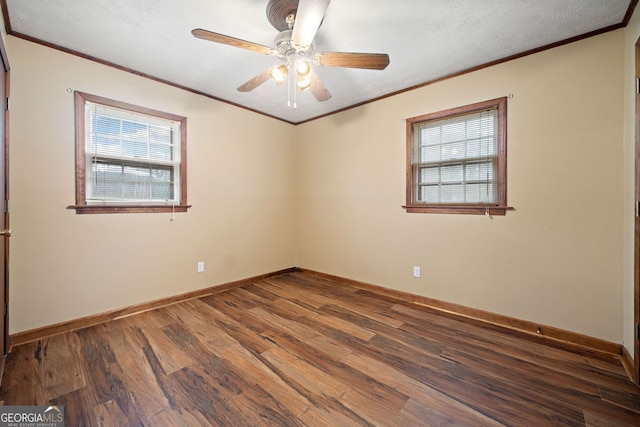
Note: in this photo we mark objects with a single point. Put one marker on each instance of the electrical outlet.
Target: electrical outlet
(200, 266)
(416, 271)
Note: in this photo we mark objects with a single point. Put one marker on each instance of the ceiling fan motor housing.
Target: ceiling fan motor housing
(285, 49)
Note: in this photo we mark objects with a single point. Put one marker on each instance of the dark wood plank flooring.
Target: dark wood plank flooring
(299, 350)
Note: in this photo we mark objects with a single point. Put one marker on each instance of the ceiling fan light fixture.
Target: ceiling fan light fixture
(303, 73)
(304, 82)
(279, 73)
(303, 69)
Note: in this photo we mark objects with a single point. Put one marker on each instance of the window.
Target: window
(457, 162)
(128, 158)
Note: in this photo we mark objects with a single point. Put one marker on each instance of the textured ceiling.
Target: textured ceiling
(425, 39)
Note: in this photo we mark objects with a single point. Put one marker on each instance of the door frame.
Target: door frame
(7, 340)
(636, 220)
(4, 199)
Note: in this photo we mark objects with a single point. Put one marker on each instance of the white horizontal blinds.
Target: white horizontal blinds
(130, 156)
(455, 159)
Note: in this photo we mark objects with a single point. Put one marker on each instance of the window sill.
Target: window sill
(103, 209)
(460, 209)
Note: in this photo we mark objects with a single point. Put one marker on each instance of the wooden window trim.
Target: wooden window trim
(81, 206)
(501, 207)
(92, 209)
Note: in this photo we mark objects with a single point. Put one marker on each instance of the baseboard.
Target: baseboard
(629, 365)
(72, 325)
(529, 330)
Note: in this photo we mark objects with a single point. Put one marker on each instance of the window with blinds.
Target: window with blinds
(457, 160)
(129, 158)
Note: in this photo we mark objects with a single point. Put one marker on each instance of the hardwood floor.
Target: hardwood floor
(299, 350)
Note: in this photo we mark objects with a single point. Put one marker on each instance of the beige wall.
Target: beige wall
(556, 260)
(327, 196)
(65, 266)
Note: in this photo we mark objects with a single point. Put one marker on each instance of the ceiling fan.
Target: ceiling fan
(297, 23)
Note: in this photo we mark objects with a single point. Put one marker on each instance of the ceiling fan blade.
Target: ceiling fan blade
(309, 16)
(370, 61)
(231, 41)
(318, 89)
(255, 82)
